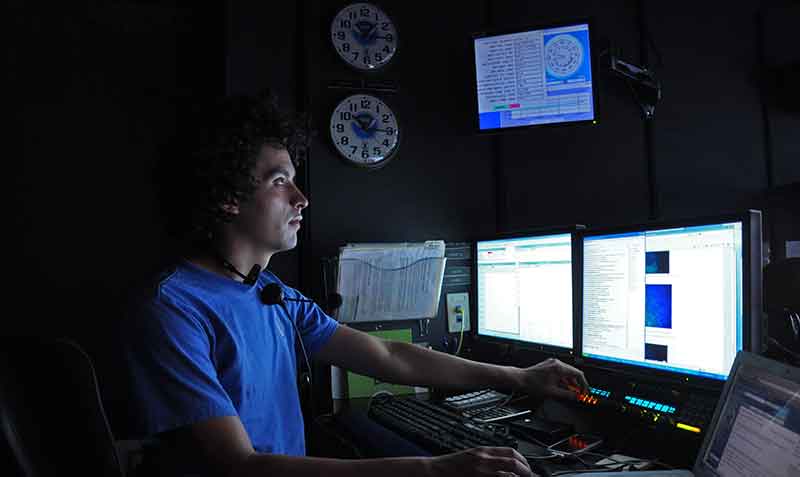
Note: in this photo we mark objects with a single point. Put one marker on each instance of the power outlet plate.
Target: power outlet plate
(454, 300)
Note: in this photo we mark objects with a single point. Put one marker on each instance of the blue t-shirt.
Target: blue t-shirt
(205, 346)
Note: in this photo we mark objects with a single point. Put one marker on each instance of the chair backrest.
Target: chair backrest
(51, 413)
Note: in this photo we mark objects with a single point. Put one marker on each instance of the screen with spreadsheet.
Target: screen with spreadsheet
(671, 299)
(534, 76)
(524, 289)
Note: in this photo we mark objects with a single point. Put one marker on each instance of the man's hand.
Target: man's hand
(481, 461)
(553, 378)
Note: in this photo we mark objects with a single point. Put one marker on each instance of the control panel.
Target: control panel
(689, 411)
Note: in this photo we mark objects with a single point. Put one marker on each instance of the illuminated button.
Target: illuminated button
(658, 407)
(687, 427)
(645, 403)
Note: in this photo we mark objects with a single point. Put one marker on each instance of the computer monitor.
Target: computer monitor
(525, 288)
(675, 299)
(534, 76)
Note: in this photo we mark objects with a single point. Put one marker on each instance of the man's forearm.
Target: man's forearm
(412, 364)
(281, 465)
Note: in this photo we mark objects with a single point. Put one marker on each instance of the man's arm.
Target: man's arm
(224, 445)
(404, 363)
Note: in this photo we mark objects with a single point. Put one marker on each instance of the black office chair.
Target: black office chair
(51, 413)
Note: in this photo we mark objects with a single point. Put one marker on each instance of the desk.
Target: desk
(349, 433)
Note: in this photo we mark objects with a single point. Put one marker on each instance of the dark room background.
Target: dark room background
(95, 87)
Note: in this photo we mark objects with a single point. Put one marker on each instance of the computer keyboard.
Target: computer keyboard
(436, 428)
(493, 413)
(487, 405)
(475, 399)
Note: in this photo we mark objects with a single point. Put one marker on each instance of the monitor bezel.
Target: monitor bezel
(593, 56)
(752, 319)
(560, 351)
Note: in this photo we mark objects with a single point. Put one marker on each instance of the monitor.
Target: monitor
(534, 76)
(673, 299)
(525, 289)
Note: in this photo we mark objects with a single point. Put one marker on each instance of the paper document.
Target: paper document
(390, 281)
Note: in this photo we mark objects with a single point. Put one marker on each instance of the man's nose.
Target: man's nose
(299, 200)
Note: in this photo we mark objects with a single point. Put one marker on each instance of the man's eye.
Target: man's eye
(279, 181)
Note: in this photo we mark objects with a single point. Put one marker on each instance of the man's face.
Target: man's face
(269, 221)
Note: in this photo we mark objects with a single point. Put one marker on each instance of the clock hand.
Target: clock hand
(371, 32)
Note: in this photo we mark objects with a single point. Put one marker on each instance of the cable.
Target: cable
(377, 395)
(783, 348)
(499, 404)
(461, 336)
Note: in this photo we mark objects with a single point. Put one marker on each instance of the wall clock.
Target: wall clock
(364, 36)
(364, 131)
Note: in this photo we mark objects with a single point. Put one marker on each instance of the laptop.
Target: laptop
(756, 426)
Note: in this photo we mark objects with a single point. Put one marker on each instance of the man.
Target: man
(213, 367)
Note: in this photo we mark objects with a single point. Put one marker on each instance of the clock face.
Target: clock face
(364, 36)
(564, 55)
(364, 131)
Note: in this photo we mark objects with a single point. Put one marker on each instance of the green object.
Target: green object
(364, 386)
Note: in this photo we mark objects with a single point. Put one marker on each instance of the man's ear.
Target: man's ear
(231, 207)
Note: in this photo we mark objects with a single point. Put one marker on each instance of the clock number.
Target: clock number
(385, 26)
(352, 15)
(355, 55)
(390, 131)
(344, 140)
(345, 24)
(385, 118)
(385, 142)
(354, 148)
(364, 154)
(345, 116)
(365, 103)
(386, 49)
(376, 151)
(378, 57)
(340, 35)
(353, 107)
(366, 59)
(365, 12)
(345, 47)
(340, 127)
(388, 37)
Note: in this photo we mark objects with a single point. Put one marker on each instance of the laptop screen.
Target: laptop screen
(758, 428)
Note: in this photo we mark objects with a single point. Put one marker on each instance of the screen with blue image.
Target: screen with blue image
(534, 76)
(669, 299)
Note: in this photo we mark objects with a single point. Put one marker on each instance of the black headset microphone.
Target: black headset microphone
(272, 294)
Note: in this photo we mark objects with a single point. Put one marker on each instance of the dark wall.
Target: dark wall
(94, 91)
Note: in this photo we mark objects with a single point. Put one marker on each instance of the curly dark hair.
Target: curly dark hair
(209, 162)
